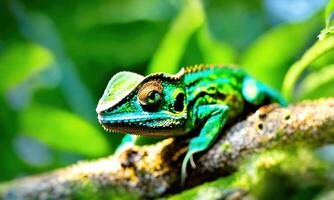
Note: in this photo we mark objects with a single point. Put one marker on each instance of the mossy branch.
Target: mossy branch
(152, 171)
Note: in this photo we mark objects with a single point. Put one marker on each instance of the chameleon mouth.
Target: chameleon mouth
(147, 125)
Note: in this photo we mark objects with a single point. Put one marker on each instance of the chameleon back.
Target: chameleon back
(215, 85)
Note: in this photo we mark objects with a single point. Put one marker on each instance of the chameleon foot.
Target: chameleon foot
(216, 118)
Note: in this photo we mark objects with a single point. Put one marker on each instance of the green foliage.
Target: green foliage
(20, 61)
(318, 84)
(269, 56)
(213, 50)
(329, 13)
(61, 54)
(317, 50)
(172, 46)
(328, 20)
(59, 129)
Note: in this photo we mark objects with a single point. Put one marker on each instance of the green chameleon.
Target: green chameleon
(163, 105)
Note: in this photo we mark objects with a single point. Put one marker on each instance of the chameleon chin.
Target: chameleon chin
(163, 105)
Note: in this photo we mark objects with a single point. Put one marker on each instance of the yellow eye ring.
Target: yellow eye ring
(150, 93)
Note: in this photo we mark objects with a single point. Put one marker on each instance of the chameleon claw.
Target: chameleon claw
(187, 158)
(184, 167)
(192, 162)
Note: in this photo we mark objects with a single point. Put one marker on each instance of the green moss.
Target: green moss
(279, 174)
(226, 146)
(278, 135)
(92, 191)
(300, 135)
(212, 190)
(284, 174)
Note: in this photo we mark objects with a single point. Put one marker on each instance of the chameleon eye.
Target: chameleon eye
(179, 102)
(153, 97)
(150, 93)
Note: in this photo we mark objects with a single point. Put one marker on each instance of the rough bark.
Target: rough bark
(152, 171)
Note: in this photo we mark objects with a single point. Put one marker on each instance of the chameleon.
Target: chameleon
(163, 105)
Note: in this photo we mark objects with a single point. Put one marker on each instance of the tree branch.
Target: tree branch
(152, 171)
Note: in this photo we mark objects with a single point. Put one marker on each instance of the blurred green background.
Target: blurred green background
(56, 58)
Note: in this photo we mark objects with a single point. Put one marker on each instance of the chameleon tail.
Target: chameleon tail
(255, 92)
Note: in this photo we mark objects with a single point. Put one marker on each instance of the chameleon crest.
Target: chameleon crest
(162, 105)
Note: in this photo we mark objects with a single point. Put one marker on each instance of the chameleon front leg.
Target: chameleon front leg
(127, 141)
(215, 116)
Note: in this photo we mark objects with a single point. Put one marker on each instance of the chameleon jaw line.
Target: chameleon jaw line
(122, 118)
(142, 124)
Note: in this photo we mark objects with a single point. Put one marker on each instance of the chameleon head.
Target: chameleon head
(150, 106)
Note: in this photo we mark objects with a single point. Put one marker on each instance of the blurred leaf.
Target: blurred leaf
(329, 12)
(88, 13)
(116, 12)
(328, 20)
(169, 54)
(316, 51)
(214, 51)
(192, 54)
(63, 130)
(10, 163)
(237, 23)
(269, 57)
(323, 60)
(39, 28)
(318, 84)
(20, 61)
(118, 44)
